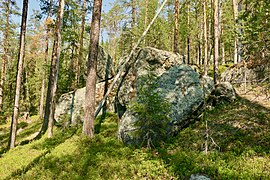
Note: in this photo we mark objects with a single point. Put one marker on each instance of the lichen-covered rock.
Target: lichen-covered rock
(147, 60)
(105, 66)
(70, 105)
(224, 92)
(249, 72)
(198, 177)
(184, 90)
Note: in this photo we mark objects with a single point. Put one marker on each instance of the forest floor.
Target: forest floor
(237, 136)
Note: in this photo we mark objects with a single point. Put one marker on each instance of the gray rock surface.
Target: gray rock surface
(250, 72)
(147, 60)
(105, 66)
(183, 89)
(224, 92)
(198, 177)
(70, 105)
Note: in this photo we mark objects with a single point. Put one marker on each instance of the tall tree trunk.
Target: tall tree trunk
(80, 58)
(90, 94)
(176, 24)
(53, 78)
(239, 43)
(188, 34)
(221, 30)
(235, 13)
(44, 74)
(223, 61)
(146, 18)
(216, 40)
(133, 20)
(14, 123)
(4, 57)
(205, 38)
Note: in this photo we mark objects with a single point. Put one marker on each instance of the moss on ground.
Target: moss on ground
(238, 148)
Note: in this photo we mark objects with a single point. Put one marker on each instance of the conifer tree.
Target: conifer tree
(14, 122)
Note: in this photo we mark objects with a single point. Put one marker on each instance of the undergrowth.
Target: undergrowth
(238, 149)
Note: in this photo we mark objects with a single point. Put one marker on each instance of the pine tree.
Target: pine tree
(90, 95)
(53, 78)
(14, 122)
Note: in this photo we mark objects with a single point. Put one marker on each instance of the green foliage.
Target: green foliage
(151, 112)
(255, 29)
(22, 125)
(242, 137)
(108, 116)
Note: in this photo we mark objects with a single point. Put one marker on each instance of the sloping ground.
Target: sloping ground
(238, 144)
(258, 93)
(238, 147)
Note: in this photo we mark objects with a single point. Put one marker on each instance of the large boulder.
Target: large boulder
(144, 61)
(250, 72)
(105, 66)
(182, 87)
(70, 105)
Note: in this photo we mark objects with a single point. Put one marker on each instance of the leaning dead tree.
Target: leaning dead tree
(121, 69)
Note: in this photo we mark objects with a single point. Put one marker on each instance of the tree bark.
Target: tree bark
(80, 58)
(146, 18)
(176, 24)
(53, 78)
(235, 13)
(188, 34)
(44, 74)
(90, 94)
(133, 21)
(205, 38)
(4, 57)
(14, 123)
(216, 40)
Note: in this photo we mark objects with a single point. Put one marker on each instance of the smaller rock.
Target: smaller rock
(199, 177)
(224, 92)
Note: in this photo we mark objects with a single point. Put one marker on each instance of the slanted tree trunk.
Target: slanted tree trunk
(15, 116)
(216, 40)
(176, 24)
(90, 94)
(53, 78)
(205, 38)
(44, 74)
(4, 57)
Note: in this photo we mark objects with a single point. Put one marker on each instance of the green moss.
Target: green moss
(240, 131)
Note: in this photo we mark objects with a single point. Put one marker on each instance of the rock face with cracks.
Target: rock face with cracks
(182, 87)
